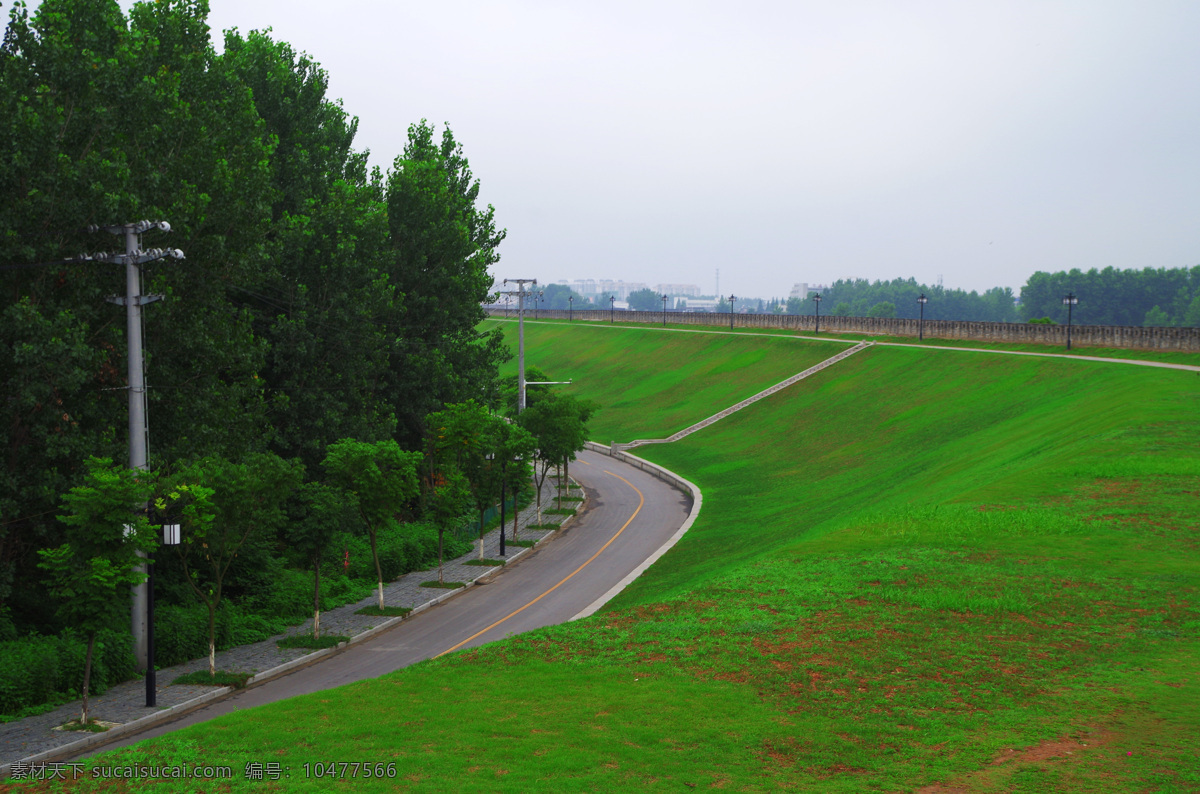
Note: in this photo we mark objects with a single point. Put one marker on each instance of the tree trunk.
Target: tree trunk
(440, 579)
(378, 570)
(481, 535)
(560, 484)
(516, 512)
(317, 598)
(538, 486)
(87, 676)
(212, 638)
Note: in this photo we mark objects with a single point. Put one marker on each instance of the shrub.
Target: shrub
(36, 670)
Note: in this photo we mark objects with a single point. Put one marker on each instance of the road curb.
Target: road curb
(667, 476)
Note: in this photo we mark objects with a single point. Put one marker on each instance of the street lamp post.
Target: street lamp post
(921, 327)
(612, 309)
(1069, 300)
(570, 308)
(503, 496)
(506, 307)
(664, 300)
(537, 299)
(732, 298)
(170, 538)
(817, 303)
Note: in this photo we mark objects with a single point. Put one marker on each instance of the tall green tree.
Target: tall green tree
(91, 572)
(324, 302)
(382, 479)
(245, 498)
(443, 245)
(108, 120)
(318, 516)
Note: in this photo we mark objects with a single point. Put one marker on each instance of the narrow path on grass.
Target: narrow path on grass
(629, 516)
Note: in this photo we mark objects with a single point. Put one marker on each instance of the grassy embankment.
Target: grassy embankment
(1166, 356)
(914, 569)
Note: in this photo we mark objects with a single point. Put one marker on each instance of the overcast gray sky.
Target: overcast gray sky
(789, 141)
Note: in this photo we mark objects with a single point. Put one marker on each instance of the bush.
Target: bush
(36, 670)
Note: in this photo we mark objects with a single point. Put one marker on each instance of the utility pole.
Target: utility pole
(133, 302)
(520, 293)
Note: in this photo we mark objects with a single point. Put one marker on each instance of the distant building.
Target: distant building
(681, 290)
(593, 287)
(802, 291)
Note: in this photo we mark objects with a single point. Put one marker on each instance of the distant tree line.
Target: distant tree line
(1147, 297)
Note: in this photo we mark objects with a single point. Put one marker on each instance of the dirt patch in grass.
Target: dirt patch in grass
(1062, 749)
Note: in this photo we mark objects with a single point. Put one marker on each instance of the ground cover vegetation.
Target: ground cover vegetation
(914, 571)
(320, 302)
(653, 386)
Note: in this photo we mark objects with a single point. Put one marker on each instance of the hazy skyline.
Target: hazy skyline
(788, 142)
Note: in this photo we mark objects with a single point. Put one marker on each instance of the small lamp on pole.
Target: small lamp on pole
(612, 308)
(732, 298)
(817, 304)
(664, 300)
(570, 308)
(1069, 300)
(921, 327)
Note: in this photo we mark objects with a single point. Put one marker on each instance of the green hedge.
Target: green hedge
(36, 670)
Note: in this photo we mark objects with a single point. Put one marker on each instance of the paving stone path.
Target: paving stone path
(126, 702)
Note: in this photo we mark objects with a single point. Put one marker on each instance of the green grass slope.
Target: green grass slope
(651, 383)
(914, 571)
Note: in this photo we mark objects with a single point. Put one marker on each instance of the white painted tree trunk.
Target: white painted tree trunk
(380, 595)
(317, 624)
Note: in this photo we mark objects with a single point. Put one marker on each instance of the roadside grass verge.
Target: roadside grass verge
(909, 571)
(220, 678)
(309, 641)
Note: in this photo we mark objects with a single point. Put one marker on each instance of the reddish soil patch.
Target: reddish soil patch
(1063, 747)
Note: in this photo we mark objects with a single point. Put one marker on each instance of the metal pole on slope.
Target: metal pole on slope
(520, 293)
(133, 301)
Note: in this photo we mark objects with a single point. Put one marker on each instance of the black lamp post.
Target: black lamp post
(817, 303)
(921, 327)
(732, 298)
(536, 299)
(612, 308)
(1069, 300)
(506, 306)
(664, 300)
(170, 538)
(570, 308)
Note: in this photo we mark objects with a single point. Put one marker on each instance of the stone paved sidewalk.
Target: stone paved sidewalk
(124, 703)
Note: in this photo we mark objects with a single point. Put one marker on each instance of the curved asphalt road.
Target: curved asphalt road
(629, 515)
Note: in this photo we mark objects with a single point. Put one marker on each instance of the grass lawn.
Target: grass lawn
(915, 571)
(651, 384)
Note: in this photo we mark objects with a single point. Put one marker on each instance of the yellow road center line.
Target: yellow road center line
(641, 501)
